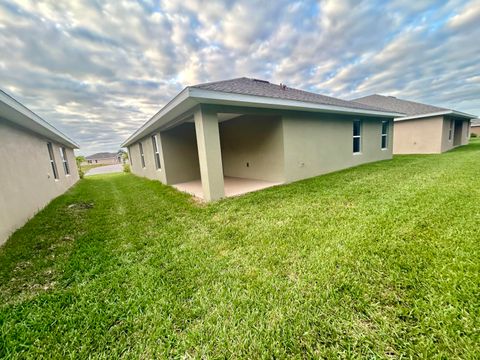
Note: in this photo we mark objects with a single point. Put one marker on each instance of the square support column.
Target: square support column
(209, 154)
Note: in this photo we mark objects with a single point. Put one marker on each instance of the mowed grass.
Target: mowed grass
(379, 261)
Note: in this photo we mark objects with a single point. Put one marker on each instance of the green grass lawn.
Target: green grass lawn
(379, 261)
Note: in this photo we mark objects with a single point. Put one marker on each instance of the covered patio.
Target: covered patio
(232, 186)
(223, 152)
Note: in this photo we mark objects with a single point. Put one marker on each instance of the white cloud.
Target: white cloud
(100, 70)
(468, 16)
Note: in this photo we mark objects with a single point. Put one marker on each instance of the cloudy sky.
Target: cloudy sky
(97, 69)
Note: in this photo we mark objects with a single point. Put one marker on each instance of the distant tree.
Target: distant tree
(80, 159)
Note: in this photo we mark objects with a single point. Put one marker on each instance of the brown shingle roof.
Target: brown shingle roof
(102, 155)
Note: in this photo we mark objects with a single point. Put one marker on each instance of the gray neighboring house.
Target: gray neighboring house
(425, 129)
(230, 137)
(104, 158)
(38, 164)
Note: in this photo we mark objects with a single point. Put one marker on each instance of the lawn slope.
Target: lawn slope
(379, 261)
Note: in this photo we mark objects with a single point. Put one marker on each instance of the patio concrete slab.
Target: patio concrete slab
(233, 186)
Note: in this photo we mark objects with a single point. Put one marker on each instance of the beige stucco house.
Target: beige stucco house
(229, 137)
(424, 129)
(475, 128)
(103, 158)
(38, 164)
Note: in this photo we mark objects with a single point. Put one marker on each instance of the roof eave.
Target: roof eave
(182, 101)
(191, 96)
(31, 121)
(210, 96)
(440, 113)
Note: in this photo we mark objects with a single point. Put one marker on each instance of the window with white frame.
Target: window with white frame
(142, 155)
(450, 130)
(63, 156)
(156, 153)
(385, 124)
(357, 136)
(52, 160)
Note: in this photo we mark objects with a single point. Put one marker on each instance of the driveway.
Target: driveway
(107, 169)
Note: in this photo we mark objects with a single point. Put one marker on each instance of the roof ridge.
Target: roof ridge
(364, 97)
(313, 93)
(294, 92)
(330, 97)
(217, 82)
(412, 102)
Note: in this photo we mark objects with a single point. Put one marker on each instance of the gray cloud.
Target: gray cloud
(98, 70)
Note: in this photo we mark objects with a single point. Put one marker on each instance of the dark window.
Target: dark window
(52, 160)
(385, 134)
(156, 152)
(357, 136)
(63, 156)
(142, 157)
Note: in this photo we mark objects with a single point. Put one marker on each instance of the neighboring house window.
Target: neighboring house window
(357, 136)
(142, 156)
(63, 156)
(384, 134)
(450, 130)
(156, 152)
(52, 160)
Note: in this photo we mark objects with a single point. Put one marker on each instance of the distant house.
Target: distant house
(104, 158)
(38, 164)
(230, 137)
(424, 129)
(475, 127)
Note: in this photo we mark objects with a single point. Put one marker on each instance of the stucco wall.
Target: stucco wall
(149, 171)
(27, 183)
(466, 132)
(180, 153)
(178, 156)
(475, 130)
(133, 158)
(321, 143)
(422, 136)
(460, 132)
(252, 147)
